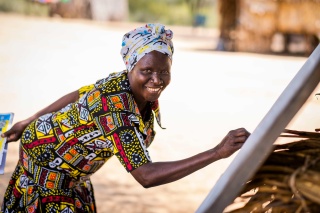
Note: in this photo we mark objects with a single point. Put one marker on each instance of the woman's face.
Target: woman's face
(149, 77)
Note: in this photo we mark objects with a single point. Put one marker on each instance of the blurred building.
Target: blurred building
(265, 26)
(102, 10)
(109, 10)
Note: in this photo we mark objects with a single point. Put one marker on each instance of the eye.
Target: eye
(165, 72)
(146, 71)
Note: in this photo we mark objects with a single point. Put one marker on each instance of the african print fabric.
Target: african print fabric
(59, 151)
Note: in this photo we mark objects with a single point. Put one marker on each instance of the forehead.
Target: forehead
(155, 58)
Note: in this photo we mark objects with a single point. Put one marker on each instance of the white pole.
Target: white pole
(259, 145)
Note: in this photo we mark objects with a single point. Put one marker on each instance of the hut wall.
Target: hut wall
(299, 17)
(101, 10)
(258, 16)
(259, 20)
(109, 10)
(71, 9)
(256, 25)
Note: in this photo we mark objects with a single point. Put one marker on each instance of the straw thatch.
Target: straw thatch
(288, 181)
(259, 20)
(299, 17)
(296, 1)
(265, 17)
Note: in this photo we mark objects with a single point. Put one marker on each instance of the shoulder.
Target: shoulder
(117, 81)
(112, 93)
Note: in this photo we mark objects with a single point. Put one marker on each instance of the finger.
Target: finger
(9, 139)
(7, 133)
(237, 146)
(241, 132)
(4, 135)
(240, 139)
(12, 137)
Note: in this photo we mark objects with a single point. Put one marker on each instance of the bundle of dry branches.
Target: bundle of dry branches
(288, 181)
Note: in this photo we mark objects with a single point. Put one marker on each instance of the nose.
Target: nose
(155, 78)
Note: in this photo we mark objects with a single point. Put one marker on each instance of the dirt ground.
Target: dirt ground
(211, 93)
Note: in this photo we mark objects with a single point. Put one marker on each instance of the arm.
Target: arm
(15, 132)
(153, 174)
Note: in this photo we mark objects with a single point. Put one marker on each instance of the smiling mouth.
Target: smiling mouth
(154, 90)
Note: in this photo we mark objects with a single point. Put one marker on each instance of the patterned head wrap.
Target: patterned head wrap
(142, 40)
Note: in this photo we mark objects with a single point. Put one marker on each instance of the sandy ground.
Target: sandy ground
(211, 93)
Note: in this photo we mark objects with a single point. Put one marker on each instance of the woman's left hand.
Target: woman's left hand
(232, 142)
(15, 132)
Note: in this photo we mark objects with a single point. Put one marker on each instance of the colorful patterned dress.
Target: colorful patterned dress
(59, 151)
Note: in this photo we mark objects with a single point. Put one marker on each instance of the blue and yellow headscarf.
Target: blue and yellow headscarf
(142, 40)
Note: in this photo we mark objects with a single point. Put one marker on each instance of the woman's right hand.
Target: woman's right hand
(15, 132)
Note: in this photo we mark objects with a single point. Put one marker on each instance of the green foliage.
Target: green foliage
(172, 12)
(24, 7)
(175, 12)
(158, 11)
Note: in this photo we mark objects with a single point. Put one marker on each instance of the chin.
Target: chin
(152, 98)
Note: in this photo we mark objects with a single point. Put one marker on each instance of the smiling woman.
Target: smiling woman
(65, 143)
(149, 78)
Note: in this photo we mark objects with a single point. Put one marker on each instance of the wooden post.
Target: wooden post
(259, 145)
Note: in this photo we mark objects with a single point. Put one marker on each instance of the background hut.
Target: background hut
(258, 23)
(101, 10)
(70, 9)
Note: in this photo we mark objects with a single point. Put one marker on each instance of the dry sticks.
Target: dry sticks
(288, 181)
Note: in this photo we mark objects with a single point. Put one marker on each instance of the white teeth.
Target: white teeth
(153, 89)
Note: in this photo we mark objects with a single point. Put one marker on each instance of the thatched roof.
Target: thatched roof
(288, 181)
(297, 1)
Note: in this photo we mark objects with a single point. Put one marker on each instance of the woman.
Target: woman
(65, 143)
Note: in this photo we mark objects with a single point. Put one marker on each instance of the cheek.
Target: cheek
(167, 80)
(140, 80)
(143, 80)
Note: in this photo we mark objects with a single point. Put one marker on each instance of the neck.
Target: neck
(142, 106)
(144, 112)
